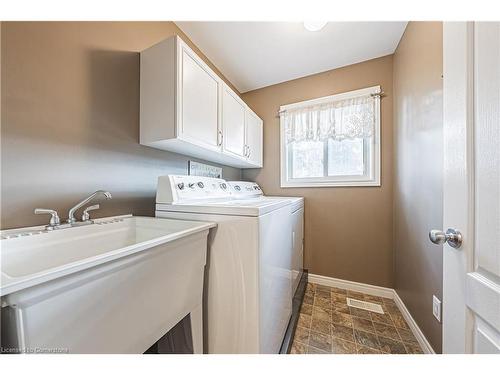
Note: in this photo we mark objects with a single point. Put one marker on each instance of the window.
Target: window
(332, 141)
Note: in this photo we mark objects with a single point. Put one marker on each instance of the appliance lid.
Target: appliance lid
(296, 202)
(246, 190)
(234, 207)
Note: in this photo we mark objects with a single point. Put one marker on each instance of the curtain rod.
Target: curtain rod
(379, 94)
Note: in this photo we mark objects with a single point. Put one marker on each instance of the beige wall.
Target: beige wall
(70, 118)
(348, 231)
(418, 195)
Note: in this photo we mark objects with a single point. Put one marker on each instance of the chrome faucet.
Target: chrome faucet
(71, 214)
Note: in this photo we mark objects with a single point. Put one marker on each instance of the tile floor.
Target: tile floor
(327, 325)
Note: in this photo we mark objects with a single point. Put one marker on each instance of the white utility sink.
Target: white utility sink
(37, 256)
(124, 281)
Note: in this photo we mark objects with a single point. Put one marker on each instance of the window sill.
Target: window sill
(330, 184)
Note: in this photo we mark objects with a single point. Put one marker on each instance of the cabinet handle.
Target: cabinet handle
(219, 138)
(249, 152)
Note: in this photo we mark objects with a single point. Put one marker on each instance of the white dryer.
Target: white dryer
(248, 287)
(251, 190)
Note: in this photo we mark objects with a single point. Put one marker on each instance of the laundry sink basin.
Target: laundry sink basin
(115, 286)
(36, 255)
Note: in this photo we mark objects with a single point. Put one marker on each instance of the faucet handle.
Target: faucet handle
(54, 219)
(85, 215)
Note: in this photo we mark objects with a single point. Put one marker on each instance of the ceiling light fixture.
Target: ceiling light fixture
(314, 25)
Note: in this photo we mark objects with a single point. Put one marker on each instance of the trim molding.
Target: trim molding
(419, 335)
(378, 291)
(374, 290)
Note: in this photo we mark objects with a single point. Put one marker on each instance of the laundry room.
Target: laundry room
(282, 187)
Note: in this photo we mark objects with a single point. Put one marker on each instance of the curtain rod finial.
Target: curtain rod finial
(380, 94)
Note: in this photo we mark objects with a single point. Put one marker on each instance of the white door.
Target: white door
(199, 101)
(233, 122)
(254, 138)
(471, 277)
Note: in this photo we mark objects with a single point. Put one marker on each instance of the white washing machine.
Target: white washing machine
(251, 190)
(248, 287)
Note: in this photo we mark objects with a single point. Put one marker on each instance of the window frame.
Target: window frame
(372, 178)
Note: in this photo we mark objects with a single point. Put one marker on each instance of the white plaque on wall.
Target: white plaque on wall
(205, 170)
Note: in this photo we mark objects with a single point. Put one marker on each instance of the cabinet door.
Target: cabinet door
(233, 122)
(198, 100)
(254, 138)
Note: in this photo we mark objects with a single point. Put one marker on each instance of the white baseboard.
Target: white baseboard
(374, 290)
(419, 335)
(378, 291)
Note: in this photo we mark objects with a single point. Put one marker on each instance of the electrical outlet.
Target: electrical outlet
(436, 308)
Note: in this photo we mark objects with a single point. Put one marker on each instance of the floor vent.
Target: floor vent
(365, 305)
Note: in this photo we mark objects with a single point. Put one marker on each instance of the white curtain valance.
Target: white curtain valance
(338, 120)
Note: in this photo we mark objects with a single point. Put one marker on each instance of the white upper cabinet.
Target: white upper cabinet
(199, 101)
(185, 107)
(233, 123)
(254, 138)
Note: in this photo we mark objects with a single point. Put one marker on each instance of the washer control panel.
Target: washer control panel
(245, 189)
(178, 188)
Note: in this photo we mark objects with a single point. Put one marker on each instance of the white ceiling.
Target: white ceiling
(258, 54)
